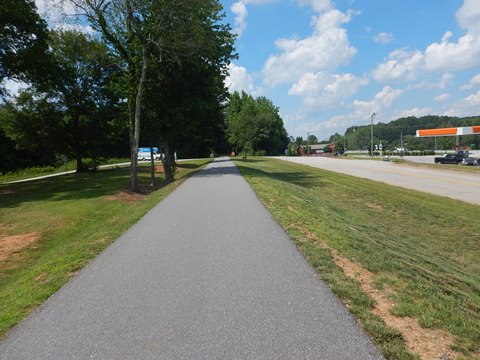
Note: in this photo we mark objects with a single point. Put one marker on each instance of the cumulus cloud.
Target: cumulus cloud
(445, 80)
(468, 106)
(383, 38)
(241, 12)
(417, 112)
(446, 55)
(474, 81)
(465, 52)
(326, 49)
(318, 5)
(362, 110)
(441, 98)
(326, 89)
(239, 9)
(400, 65)
(382, 100)
(239, 79)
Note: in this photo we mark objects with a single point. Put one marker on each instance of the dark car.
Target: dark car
(449, 159)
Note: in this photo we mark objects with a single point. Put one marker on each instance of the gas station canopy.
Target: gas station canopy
(454, 131)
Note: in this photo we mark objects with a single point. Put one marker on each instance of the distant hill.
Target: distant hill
(391, 134)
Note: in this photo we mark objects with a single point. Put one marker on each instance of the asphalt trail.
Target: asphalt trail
(206, 274)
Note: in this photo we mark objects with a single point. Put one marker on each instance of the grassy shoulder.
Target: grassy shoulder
(51, 228)
(394, 256)
(49, 170)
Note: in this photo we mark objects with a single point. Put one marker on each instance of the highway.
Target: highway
(459, 185)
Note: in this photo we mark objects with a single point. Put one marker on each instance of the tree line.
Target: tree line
(399, 132)
(152, 73)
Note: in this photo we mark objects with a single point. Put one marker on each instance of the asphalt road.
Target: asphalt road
(457, 185)
(207, 274)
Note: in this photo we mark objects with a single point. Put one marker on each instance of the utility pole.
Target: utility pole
(371, 135)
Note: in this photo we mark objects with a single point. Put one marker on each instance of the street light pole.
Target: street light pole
(371, 135)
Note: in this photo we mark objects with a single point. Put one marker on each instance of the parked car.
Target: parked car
(469, 161)
(449, 159)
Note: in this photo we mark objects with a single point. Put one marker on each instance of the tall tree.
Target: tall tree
(69, 112)
(23, 41)
(255, 124)
(185, 94)
(136, 29)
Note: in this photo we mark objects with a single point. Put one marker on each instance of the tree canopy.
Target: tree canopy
(23, 41)
(254, 125)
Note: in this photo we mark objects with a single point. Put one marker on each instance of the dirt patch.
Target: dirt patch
(126, 196)
(429, 344)
(10, 245)
(374, 206)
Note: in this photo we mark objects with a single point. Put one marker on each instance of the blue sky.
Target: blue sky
(329, 65)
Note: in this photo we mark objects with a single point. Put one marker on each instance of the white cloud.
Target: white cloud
(241, 12)
(239, 9)
(383, 38)
(318, 5)
(468, 106)
(239, 80)
(400, 65)
(417, 112)
(383, 100)
(446, 55)
(326, 49)
(445, 80)
(463, 54)
(474, 81)
(326, 89)
(362, 110)
(468, 16)
(442, 97)
(13, 87)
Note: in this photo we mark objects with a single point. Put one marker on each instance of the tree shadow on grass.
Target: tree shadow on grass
(298, 178)
(76, 186)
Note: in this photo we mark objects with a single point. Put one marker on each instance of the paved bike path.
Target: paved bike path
(206, 274)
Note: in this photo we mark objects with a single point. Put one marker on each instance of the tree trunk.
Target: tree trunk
(152, 166)
(169, 165)
(133, 150)
(135, 137)
(78, 158)
(76, 142)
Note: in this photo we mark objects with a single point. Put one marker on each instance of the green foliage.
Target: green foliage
(23, 41)
(255, 124)
(358, 137)
(75, 110)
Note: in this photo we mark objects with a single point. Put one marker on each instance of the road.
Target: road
(457, 185)
(206, 274)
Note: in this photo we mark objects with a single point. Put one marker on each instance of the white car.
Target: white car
(145, 156)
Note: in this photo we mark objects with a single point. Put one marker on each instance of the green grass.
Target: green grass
(426, 248)
(75, 217)
(48, 170)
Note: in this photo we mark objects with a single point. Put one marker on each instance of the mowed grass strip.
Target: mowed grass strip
(51, 228)
(423, 249)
